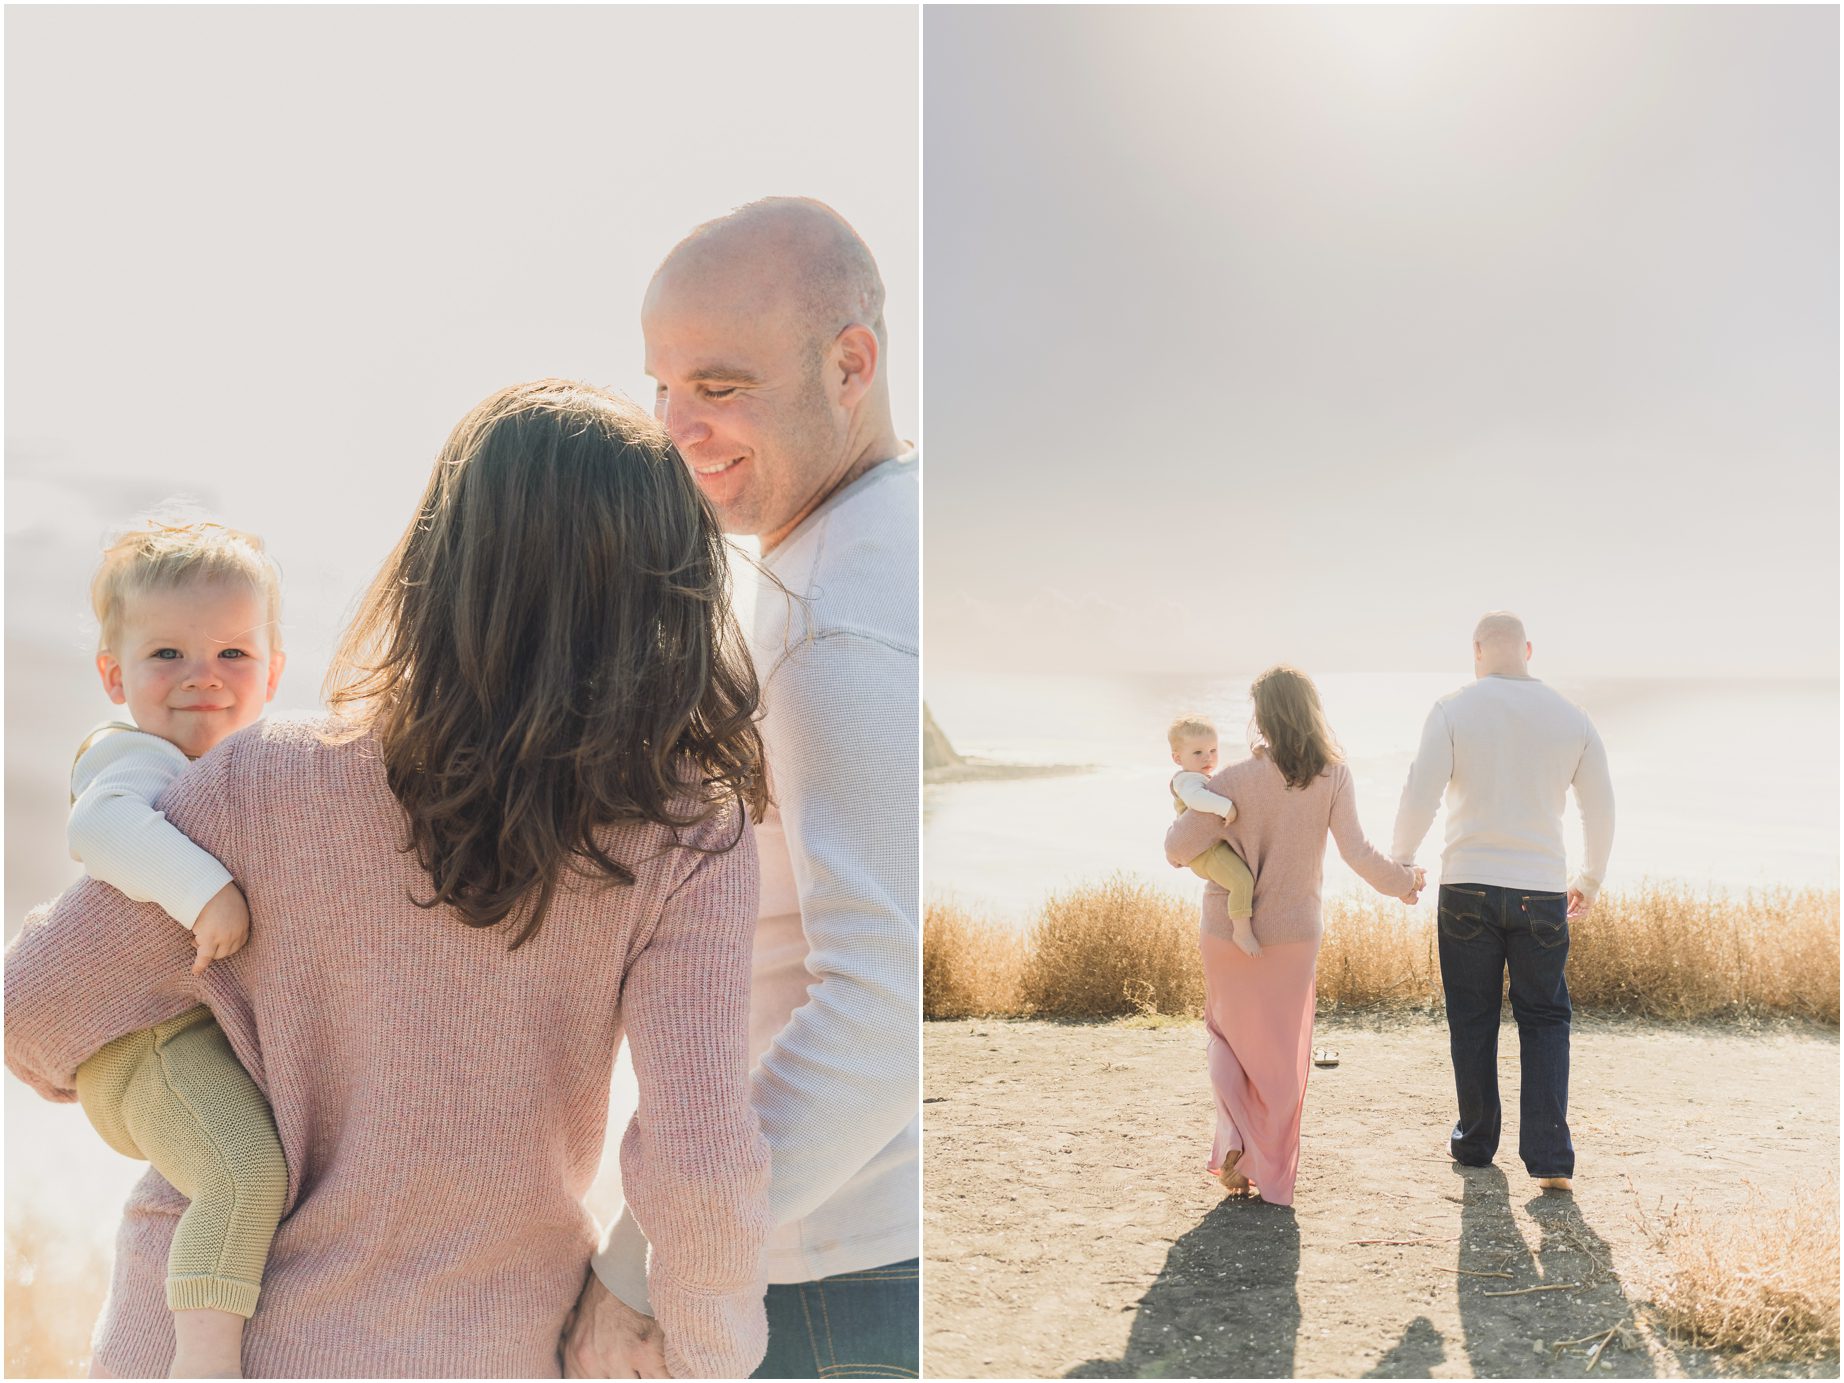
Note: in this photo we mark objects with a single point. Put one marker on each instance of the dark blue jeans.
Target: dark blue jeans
(856, 1325)
(1483, 930)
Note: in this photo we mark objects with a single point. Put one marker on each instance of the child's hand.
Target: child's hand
(1242, 932)
(222, 927)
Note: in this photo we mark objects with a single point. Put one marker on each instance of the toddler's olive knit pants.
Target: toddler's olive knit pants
(1222, 865)
(176, 1095)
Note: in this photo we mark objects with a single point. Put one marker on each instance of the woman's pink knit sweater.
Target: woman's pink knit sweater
(1280, 833)
(441, 1099)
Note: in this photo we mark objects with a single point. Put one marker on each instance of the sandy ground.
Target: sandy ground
(1071, 1230)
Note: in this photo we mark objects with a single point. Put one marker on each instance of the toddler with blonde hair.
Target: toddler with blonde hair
(190, 645)
(1194, 749)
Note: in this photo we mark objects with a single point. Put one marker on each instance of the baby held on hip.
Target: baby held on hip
(189, 645)
(1193, 742)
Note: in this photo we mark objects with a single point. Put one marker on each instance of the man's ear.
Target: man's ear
(276, 659)
(855, 358)
(110, 671)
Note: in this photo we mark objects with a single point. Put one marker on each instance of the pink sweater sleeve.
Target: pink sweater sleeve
(91, 966)
(1370, 864)
(694, 1165)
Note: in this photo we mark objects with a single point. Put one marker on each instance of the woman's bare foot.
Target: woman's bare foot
(207, 1344)
(1233, 1181)
(1556, 1184)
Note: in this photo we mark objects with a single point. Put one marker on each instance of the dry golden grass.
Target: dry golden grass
(1111, 949)
(1377, 954)
(1664, 952)
(1121, 947)
(54, 1292)
(1762, 1284)
(968, 969)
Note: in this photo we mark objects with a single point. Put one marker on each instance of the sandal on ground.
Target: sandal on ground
(1325, 1056)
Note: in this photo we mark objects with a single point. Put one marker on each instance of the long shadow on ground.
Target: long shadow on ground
(1512, 1336)
(1239, 1271)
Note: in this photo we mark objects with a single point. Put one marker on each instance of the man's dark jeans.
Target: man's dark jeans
(855, 1325)
(1484, 928)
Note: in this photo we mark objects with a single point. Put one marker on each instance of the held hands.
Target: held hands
(604, 1337)
(222, 927)
(1413, 896)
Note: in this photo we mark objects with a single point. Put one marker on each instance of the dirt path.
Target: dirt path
(1071, 1230)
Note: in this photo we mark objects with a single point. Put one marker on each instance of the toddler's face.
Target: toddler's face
(193, 664)
(1197, 754)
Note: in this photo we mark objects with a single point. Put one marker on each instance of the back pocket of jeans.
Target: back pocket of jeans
(1462, 914)
(1549, 917)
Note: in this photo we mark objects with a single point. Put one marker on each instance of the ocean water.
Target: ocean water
(1700, 800)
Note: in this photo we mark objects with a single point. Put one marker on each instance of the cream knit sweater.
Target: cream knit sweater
(837, 992)
(1506, 751)
(441, 1100)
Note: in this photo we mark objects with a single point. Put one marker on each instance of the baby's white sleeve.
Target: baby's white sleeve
(1191, 790)
(123, 841)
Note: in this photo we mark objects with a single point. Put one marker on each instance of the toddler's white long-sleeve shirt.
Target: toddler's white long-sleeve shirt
(122, 840)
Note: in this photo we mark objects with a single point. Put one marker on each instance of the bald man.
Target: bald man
(1505, 750)
(765, 337)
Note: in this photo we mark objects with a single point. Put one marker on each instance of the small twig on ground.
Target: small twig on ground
(1584, 1340)
(1595, 1357)
(1546, 1287)
(1448, 1240)
(1468, 1272)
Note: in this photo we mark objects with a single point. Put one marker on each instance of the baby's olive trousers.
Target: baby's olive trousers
(1222, 865)
(176, 1095)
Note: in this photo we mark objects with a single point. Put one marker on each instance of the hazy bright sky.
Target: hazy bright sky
(1310, 334)
(269, 256)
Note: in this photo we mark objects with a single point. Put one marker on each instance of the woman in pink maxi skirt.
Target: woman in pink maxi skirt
(1258, 1009)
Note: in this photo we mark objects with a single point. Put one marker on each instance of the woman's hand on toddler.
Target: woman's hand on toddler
(1242, 932)
(222, 927)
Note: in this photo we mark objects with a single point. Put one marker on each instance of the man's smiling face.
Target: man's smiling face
(738, 385)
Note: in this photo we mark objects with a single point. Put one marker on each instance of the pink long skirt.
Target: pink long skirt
(1258, 1016)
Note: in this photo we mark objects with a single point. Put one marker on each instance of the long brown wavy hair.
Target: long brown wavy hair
(1290, 725)
(550, 649)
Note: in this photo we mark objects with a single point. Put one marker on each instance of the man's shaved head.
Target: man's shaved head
(764, 332)
(1500, 644)
(1499, 629)
(799, 253)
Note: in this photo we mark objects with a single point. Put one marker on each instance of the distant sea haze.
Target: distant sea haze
(1699, 800)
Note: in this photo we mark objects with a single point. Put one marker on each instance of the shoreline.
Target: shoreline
(977, 770)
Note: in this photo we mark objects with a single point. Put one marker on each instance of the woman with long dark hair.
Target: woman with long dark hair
(522, 837)
(1258, 1009)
